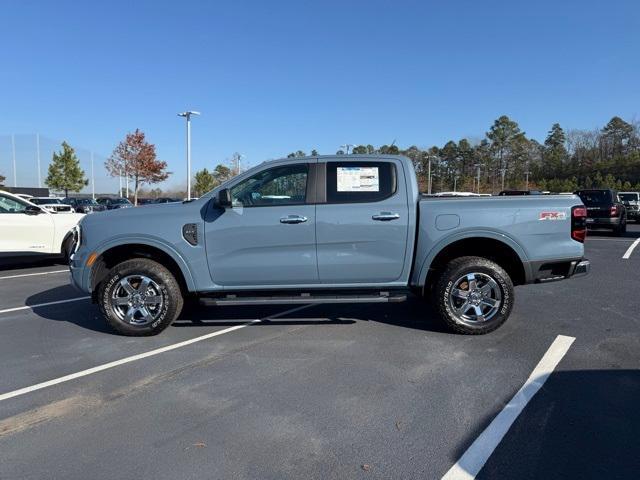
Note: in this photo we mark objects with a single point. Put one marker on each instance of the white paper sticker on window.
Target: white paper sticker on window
(358, 179)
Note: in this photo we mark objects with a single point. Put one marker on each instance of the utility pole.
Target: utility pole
(13, 156)
(187, 115)
(38, 159)
(478, 166)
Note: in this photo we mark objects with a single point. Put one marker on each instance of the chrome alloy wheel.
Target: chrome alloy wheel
(475, 298)
(137, 300)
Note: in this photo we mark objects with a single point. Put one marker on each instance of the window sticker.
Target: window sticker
(358, 179)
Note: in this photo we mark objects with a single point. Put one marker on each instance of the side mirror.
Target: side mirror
(224, 198)
(32, 210)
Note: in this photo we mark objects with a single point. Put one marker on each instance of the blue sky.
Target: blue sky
(271, 77)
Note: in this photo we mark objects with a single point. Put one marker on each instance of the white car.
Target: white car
(26, 228)
(52, 204)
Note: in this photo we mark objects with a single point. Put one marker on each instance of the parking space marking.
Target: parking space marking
(140, 356)
(34, 274)
(31, 307)
(481, 449)
(629, 251)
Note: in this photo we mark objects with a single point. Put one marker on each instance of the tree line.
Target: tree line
(607, 157)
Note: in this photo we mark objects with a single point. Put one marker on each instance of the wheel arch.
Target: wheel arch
(114, 253)
(498, 248)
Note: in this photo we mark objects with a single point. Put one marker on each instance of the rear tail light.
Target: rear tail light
(614, 211)
(579, 223)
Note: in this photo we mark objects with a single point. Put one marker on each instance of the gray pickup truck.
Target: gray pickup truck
(327, 229)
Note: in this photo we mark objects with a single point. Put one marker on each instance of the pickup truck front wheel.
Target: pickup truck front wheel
(139, 297)
(474, 295)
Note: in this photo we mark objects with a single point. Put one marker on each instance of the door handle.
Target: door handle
(386, 216)
(293, 219)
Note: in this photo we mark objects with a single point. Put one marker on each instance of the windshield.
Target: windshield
(86, 201)
(595, 197)
(628, 197)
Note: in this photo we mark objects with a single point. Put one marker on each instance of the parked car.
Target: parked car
(84, 205)
(631, 201)
(327, 230)
(51, 204)
(114, 203)
(604, 210)
(26, 228)
(167, 200)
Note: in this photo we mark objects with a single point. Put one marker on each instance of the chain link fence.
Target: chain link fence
(25, 159)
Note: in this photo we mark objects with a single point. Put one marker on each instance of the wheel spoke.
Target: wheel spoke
(129, 317)
(462, 309)
(471, 278)
(153, 300)
(121, 300)
(492, 302)
(479, 314)
(456, 292)
(144, 284)
(146, 315)
(124, 283)
(487, 288)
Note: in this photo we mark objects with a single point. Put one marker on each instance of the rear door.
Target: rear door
(363, 226)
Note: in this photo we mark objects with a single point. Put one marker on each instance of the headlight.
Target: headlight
(77, 237)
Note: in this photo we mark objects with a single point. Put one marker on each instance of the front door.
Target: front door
(21, 232)
(363, 226)
(268, 237)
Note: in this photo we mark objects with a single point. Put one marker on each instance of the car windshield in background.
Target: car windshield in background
(595, 197)
(46, 201)
(628, 197)
(86, 201)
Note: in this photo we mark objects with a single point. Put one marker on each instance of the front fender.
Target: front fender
(151, 242)
(475, 233)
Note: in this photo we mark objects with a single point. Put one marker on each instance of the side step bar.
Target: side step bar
(304, 299)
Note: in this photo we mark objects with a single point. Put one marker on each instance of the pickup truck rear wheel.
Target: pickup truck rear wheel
(473, 295)
(139, 297)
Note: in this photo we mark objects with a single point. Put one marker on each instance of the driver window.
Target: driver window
(285, 185)
(9, 205)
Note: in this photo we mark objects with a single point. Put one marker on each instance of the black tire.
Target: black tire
(484, 271)
(621, 229)
(163, 284)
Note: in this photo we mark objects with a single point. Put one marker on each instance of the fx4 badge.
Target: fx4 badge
(552, 216)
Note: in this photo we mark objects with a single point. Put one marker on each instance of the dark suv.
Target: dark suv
(604, 210)
(114, 203)
(84, 205)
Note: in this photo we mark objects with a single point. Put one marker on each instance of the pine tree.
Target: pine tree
(204, 182)
(65, 172)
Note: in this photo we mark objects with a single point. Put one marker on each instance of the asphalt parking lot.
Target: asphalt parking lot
(321, 391)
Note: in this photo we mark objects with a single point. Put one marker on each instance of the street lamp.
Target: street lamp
(187, 115)
(347, 147)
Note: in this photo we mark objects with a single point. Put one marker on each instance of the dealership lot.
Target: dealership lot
(321, 391)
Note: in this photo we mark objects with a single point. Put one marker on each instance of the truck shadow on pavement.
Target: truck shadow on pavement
(581, 424)
(411, 314)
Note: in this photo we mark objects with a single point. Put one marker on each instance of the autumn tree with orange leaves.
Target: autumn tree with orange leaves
(135, 158)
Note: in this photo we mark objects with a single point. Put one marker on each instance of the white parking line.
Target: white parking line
(140, 356)
(34, 274)
(629, 251)
(31, 307)
(478, 453)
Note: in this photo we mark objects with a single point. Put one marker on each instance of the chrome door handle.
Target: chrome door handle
(386, 216)
(293, 219)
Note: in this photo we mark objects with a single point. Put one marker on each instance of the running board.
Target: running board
(304, 299)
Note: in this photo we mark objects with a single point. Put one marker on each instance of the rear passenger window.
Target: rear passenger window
(353, 182)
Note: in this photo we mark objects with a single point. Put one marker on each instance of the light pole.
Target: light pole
(187, 115)
(478, 166)
(346, 147)
(13, 155)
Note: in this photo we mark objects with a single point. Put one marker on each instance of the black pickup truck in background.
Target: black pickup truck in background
(604, 210)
